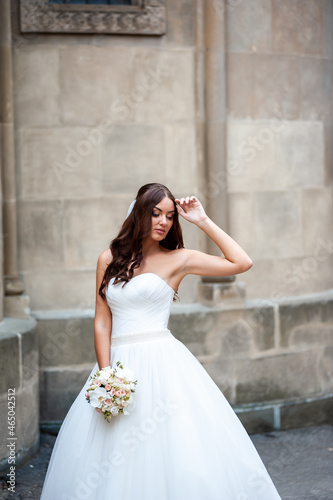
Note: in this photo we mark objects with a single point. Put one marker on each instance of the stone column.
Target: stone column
(215, 290)
(13, 286)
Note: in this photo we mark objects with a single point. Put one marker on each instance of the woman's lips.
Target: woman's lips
(160, 231)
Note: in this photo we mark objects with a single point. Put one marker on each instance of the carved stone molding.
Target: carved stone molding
(149, 18)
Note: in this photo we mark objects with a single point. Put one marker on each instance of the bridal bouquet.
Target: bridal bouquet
(110, 390)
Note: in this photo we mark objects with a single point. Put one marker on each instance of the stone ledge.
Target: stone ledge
(240, 348)
(286, 414)
(20, 372)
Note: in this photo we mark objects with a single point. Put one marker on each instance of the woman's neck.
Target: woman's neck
(150, 247)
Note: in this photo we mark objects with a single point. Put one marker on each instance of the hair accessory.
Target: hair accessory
(130, 208)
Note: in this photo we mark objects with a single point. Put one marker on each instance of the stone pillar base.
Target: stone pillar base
(17, 306)
(226, 295)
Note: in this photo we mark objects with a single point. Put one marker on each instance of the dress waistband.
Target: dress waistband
(145, 336)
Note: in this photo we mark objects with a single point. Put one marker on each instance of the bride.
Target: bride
(181, 439)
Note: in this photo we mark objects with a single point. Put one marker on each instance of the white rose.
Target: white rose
(114, 410)
(97, 396)
(104, 376)
(125, 374)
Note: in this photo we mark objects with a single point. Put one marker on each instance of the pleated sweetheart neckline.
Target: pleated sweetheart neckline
(157, 276)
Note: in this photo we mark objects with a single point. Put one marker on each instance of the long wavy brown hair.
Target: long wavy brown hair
(126, 248)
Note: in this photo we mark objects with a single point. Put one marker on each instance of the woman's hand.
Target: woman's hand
(191, 209)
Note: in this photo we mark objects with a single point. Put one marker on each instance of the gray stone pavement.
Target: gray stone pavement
(300, 462)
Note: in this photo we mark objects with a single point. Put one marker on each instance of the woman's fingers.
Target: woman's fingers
(185, 201)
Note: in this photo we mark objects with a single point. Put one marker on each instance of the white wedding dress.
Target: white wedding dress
(181, 439)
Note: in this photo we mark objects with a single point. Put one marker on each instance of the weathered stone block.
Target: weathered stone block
(328, 144)
(180, 24)
(327, 29)
(189, 284)
(261, 420)
(4, 450)
(61, 289)
(311, 334)
(222, 295)
(277, 218)
(66, 341)
(192, 325)
(240, 69)
(276, 87)
(317, 208)
(307, 413)
(316, 95)
(297, 27)
(54, 401)
(300, 154)
(221, 371)
(277, 377)
(261, 322)
(251, 156)
(125, 162)
(89, 226)
(237, 339)
(248, 26)
(17, 348)
(91, 80)
(40, 235)
(326, 365)
(27, 416)
(274, 155)
(59, 162)
(36, 89)
(261, 279)
(10, 361)
(296, 318)
(240, 207)
(167, 78)
(180, 158)
(295, 276)
(30, 364)
(16, 306)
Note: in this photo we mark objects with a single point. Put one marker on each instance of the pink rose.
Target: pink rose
(98, 382)
(107, 387)
(87, 395)
(108, 402)
(121, 392)
(99, 410)
(113, 390)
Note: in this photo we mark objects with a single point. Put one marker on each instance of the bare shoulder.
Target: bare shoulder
(104, 259)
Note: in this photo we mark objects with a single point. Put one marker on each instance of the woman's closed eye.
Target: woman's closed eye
(170, 217)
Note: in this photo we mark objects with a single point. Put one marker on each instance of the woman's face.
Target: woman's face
(162, 218)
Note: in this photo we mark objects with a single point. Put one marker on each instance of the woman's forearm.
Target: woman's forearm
(231, 250)
(102, 346)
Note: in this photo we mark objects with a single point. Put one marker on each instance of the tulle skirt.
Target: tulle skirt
(180, 441)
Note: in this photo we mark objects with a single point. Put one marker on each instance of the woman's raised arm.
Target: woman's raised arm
(103, 317)
(235, 259)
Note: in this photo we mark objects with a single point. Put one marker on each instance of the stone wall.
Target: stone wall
(96, 117)
(19, 391)
(99, 115)
(280, 130)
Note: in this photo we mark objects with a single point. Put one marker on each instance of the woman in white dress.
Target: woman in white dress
(181, 439)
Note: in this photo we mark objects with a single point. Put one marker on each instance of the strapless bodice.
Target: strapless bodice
(142, 305)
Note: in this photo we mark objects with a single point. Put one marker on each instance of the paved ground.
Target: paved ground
(300, 462)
